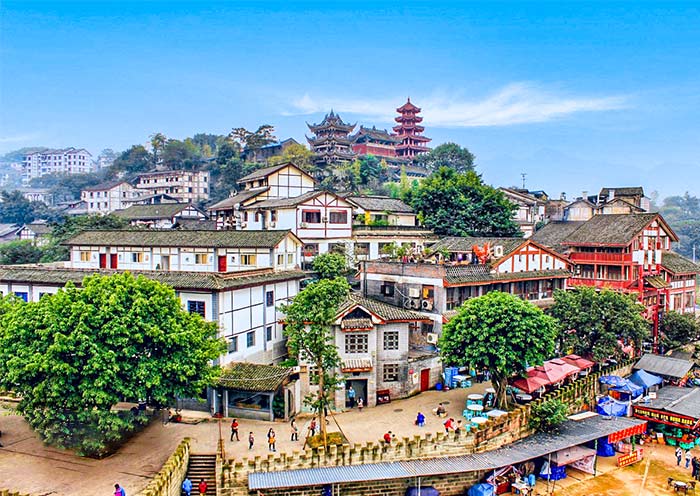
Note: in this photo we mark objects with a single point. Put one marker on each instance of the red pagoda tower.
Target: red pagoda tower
(409, 131)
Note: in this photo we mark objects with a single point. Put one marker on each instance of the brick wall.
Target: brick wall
(168, 482)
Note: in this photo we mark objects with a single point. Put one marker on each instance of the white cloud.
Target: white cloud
(517, 103)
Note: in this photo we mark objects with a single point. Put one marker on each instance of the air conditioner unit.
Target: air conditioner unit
(415, 304)
(244, 225)
(302, 225)
(431, 338)
(273, 225)
(413, 292)
(426, 305)
(498, 251)
(407, 303)
(324, 219)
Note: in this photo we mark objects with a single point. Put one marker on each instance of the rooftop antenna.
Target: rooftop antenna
(523, 175)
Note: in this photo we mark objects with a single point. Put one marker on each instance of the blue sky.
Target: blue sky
(578, 95)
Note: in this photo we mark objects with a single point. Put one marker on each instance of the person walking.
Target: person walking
(679, 456)
(351, 397)
(458, 428)
(251, 440)
(688, 458)
(187, 486)
(696, 468)
(449, 424)
(118, 490)
(295, 431)
(312, 427)
(234, 429)
(360, 404)
(271, 440)
(202, 487)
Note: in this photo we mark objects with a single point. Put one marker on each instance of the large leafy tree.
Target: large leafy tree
(181, 155)
(158, 142)
(298, 154)
(683, 214)
(55, 251)
(330, 265)
(132, 161)
(460, 204)
(16, 209)
(308, 329)
(67, 186)
(447, 155)
(254, 140)
(679, 329)
(20, 252)
(74, 355)
(501, 332)
(593, 322)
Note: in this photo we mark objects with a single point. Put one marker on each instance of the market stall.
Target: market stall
(675, 412)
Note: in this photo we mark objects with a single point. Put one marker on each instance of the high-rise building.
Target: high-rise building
(62, 161)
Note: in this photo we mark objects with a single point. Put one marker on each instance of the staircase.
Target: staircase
(202, 467)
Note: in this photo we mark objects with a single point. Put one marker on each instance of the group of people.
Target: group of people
(351, 399)
(271, 435)
(692, 462)
(187, 487)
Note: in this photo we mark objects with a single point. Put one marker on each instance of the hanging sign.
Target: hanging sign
(629, 458)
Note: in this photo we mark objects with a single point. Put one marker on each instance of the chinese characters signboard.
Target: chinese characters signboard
(629, 458)
(664, 417)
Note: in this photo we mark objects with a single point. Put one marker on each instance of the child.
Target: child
(295, 431)
(271, 440)
(360, 404)
(251, 441)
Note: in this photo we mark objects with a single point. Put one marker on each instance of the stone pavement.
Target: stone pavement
(26, 465)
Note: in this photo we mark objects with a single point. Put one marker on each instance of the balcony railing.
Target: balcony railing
(363, 227)
(588, 257)
(599, 283)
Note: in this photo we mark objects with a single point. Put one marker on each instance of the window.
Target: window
(391, 340)
(233, 344)
(250, 339)
(356, 343)
(311, 216)
(257, 216)
(387, 289)
(290, 258)
(339, 217)
(280, 259)
(22, 295)
(268, 333)
(390, 372)
(137, 257)
(84, 256)
(248, 259)
(273, 215)
(201, 258)
(196, 307)
(270, 298)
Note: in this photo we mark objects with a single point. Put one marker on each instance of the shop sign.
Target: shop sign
(629, 458)
(664, 417)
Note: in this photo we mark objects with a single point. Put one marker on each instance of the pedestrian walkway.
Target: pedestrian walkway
(60, 472)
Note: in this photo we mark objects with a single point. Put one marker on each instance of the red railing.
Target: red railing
(599, 283)
(588, 257)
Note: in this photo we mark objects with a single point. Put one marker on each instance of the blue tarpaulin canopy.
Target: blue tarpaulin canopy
(611, 407)
(612, 380)
(645, 379)
(630, 388)
(481, 490)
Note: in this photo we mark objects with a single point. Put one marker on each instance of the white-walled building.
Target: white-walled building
(62, 161)
(237, 279)
(186, 186)
(109, 197)
(530, 210)
(161, 216)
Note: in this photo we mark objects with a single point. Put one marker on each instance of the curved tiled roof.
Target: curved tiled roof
(152, 237)
(678, 264)
(613, 229)
(464, 244)
(381, 204)
(255, 377)
(382, 310)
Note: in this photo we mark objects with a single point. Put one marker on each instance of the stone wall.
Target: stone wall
(168, 482)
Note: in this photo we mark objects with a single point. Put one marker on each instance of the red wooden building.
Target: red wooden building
(409, 131)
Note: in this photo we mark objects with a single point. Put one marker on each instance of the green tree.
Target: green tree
(55, 251)
(132, 161)
(683, 214)
(74, 355)
(66, 187)
(592, 322)
(297, 154)
(501, 332)
(547, 416)
(253, 140)
(308, 330)
(20, 252)
(16, 209)
(330, 265)
(678, 329)
(158, 142)
(181, 155)
(447, 155)
(455, 204)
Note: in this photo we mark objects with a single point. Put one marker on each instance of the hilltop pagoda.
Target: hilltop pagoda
(409, 131)
(331, 143)
(377, 142)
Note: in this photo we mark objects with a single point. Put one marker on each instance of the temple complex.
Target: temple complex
(331, 143)
(409, 131)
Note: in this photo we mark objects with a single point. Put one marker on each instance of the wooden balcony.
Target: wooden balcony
(618, 284)
(583, 257)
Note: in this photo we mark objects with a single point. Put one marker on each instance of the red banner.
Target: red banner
(664, 417)
(629, 458)
(630, 431)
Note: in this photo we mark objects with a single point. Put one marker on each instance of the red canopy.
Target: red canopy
(529, 384)
(553, 371)
(578, 361)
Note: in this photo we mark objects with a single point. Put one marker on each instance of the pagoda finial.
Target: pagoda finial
(409, 99)
(332, 114)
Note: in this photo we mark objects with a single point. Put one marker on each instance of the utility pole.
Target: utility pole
(523, 175)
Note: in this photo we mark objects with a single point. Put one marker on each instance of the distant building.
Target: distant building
(633, 195)
(186, 186)
(331, 142)
(37, 232)
(265, 153)
(530, 210)
(9, 232)
(379, 143)
(163, 216)
(410, 132)
(62, 161)
(109, 197)
(42, 195)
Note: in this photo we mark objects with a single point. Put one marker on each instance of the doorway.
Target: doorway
(360, 387)
(424, 380)
(113, 261)
(165, 262)
(222, 263)
(103, 260)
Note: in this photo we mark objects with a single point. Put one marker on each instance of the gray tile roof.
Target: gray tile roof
(39, 228)
(625, 191)
(572, 433)
(149, 212)
(205, 281)
(236, 199)
(456, 244)
(464, 274)
(663, 365)
(284, 202)
(614, 229)
(105, 186)
(380, 204)
(246, 376)
(260, 173)
(180, 238)
(555, 233)
(678, 264)
(680, 400)
(382, 310)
